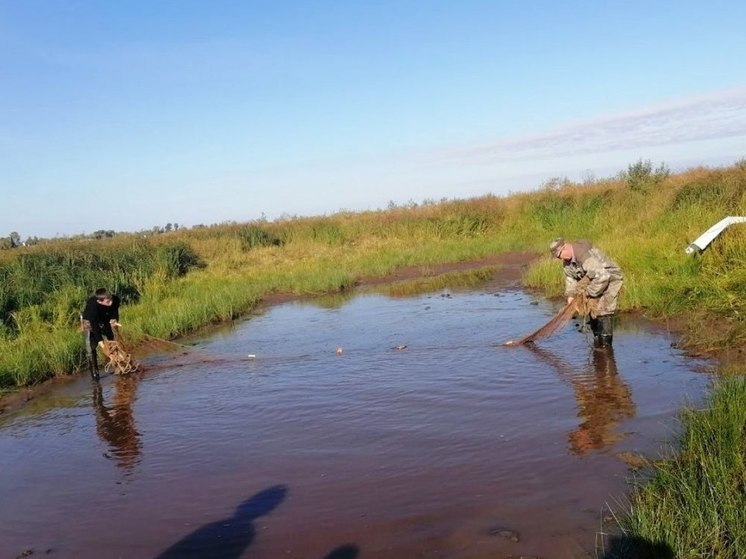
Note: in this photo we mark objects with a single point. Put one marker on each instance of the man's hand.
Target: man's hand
(114, 323)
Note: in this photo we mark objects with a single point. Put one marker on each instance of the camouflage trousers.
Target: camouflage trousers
(607, 303)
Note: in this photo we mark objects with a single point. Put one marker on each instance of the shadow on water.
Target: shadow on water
(627, 547)
(115, 423)
(347, 551)
(228, 538)
(602, 397)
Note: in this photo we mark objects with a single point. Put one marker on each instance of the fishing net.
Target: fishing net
(120, 361)
(558, 322)
(582, 305)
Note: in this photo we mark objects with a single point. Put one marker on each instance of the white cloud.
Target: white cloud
(720, 114)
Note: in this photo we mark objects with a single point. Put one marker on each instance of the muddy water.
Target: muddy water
(426, 451)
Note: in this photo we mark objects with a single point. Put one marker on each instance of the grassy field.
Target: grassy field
(175, 282)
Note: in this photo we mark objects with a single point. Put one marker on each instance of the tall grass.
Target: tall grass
(696, 501)
(50, 282)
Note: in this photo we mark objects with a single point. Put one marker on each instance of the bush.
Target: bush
(177, 258)
(253, 236)
(641, 176)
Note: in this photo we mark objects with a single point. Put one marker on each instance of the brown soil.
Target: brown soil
(16, 399)
(511, 266)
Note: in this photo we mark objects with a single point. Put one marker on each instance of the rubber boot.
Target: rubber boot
(607, 330)
(595, 325)
(93, 364)
(90, 353)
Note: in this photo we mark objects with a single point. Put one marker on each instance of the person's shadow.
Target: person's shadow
(229, 537)
(629, 547)
(348, 551)
(115, 423)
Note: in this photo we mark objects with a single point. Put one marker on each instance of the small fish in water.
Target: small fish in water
(399, 347)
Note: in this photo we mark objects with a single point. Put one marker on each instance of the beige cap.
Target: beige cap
(556, 245)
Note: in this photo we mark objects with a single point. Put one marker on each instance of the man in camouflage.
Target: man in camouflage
(580, 259)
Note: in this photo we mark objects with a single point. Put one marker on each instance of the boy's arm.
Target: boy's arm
(89, 312)
(115, 308)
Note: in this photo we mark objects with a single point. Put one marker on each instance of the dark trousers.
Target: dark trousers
(91, 338)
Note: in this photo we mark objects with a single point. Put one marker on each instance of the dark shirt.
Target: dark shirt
(101, 314)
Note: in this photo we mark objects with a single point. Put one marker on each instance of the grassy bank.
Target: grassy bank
(696, 502)
(176, 282)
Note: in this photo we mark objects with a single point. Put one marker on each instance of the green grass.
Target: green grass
(696, 502)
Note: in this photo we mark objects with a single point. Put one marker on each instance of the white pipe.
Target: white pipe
(704, 240)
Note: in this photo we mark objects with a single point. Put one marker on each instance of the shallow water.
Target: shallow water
(378, 452)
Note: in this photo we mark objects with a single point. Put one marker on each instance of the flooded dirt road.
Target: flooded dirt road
(450, 447)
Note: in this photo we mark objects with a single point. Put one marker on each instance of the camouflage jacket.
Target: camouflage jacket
(589, 262)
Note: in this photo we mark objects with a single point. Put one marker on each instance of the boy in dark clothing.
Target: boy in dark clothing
(100, 315)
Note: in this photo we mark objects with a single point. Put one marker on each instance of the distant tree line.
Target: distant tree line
(13, 240)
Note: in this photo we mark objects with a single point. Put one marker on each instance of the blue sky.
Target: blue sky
(126, 115)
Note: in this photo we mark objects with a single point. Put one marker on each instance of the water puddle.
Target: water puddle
(312, 432)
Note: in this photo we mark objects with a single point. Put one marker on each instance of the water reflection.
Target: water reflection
(602, 397)
(115, 423)
(228, 538)
(604, 400)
